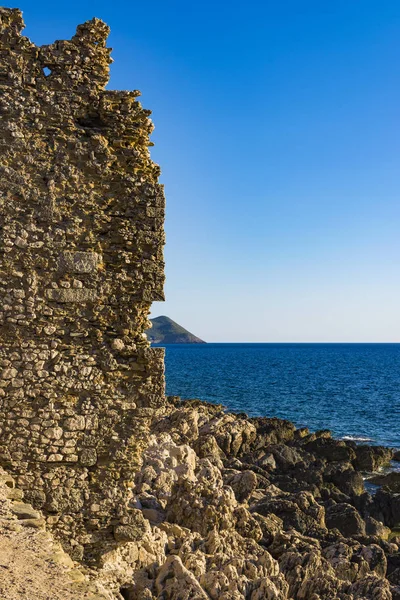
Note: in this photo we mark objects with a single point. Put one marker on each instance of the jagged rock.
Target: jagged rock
(341, 557)
(343, 475)
(176, 582)
(267, 461)
(243, 484)
(206, 447)
(163, 463)
(234, 435)
(272, 431)
(371, 587)
(393, 568)
(298, 511)
(389, 480)
(386, 507)
(331, 449)
(204, 504)
(182, 425)
(346, 519)
(376, 528)
(371, 458)
(285, 456)
(376, 559)
(310, 576)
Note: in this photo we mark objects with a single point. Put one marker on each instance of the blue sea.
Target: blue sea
(352, 389)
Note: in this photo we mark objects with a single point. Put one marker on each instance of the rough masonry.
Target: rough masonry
(81, 260)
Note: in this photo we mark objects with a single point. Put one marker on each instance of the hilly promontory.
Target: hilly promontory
(165, 331)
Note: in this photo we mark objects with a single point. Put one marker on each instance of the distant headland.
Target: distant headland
(165, 331)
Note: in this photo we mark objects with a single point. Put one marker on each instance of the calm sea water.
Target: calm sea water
(352, 389)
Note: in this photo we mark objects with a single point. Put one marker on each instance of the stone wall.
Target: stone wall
(81, 260)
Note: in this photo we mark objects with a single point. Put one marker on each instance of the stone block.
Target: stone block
(79, 295)
(78, 262)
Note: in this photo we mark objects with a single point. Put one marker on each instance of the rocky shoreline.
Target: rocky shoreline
(229, 507)
(109, 489)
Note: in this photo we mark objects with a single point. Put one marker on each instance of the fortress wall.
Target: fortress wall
(81, 260)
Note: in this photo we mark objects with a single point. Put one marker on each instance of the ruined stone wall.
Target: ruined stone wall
(81, 239)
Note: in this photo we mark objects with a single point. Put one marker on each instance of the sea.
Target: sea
(351, 389)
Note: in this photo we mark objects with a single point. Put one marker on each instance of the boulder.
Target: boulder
(372, 587)
(344, 477)
(285, 456)
(389, 480)
(371, 458)
(346, 519)
(386, 507)
(243, 484)
(267, 461)
(376, 528)
(234, 434)
(272, 431)
(330, 449)
(297, 511)
(376, 559)
(175, 581)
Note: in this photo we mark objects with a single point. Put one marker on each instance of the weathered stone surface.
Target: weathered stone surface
(78, 262)
(81, 260)
(370, 458)
(390, 480)
(164, 499)
(32, 564)
(72, 295)
(346, 519)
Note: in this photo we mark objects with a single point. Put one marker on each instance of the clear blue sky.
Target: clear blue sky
(277, 130)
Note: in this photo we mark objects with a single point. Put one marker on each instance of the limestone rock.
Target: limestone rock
(346, 519)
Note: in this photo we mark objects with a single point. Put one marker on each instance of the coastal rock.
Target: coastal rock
(309, 575)
(386, 507)
(177, 582)
(272, 431)
(267, 461)
(389, 480)
(243, 484)
(377, 528)
(234, 435)
(164, 462)
(298, 511)
(371, 458)
(285, 457)
(347, 480)
(330, 449)
(204, 504)
(346, 519)
(206, 446)
(371, 587)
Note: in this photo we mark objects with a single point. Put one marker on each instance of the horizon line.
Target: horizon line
(270, 342)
